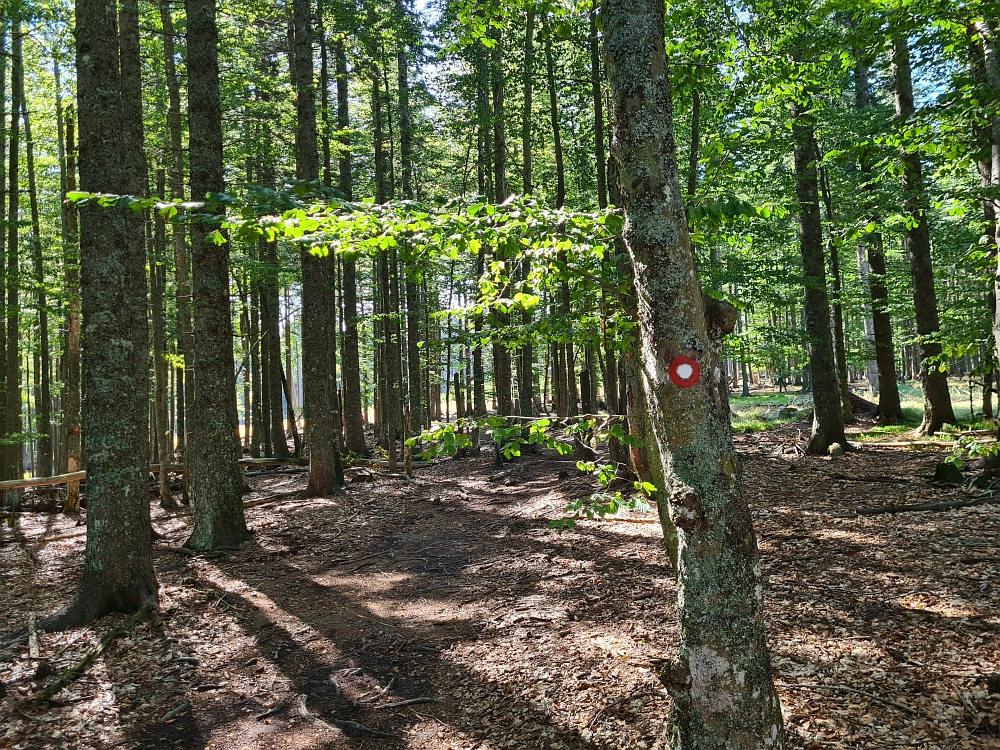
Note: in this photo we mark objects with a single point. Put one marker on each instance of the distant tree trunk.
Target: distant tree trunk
(12, 451)
(71, 263)
(413, 313)
(157, 282)
(4, 55)
(889, 409)
(526, 392)
(216, 482)
(354, 428)
(550, 71)
(118, 574)
(992, 65)
(318, 390)
(595, 89)
(503, 378)
(723, 695)
(934, 380)
(43, 464)
(828, 425)
(839, 348)
(182, 259)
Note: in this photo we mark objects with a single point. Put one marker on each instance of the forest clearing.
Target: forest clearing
(467, 375)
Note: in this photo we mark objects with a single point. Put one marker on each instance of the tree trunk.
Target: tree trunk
(934, 380)
(723, 695)
(71, 263)
(43, 464)
(157, 282)
(318, 391)
(550, 72)
(118, 574)
(828, 425)
(839, 349)
(12, 465)
(992, 65)
(216, 482)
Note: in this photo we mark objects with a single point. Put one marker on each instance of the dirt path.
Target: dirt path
(452, 589)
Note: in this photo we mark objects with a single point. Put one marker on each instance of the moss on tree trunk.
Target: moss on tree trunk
(723, 695)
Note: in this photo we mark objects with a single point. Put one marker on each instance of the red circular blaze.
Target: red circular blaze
(684, 371)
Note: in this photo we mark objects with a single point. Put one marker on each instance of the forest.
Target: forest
(468, 375)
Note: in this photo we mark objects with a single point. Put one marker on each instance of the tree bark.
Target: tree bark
(118, 574)
(723, 694)
(326, 472)
(12, 465)
(828, 425)
(216, 482)
(933, 379)
(71, 263)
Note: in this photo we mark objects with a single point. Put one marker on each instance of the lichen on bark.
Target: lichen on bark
(720, 681)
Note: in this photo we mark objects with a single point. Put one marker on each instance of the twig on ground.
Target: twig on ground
(409, 702)
(379, 694)
(855, 691)
(175, 711)
(949, 505)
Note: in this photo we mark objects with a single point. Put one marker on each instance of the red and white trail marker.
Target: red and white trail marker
(684, 371)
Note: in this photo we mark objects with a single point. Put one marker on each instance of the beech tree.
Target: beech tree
(720, 681)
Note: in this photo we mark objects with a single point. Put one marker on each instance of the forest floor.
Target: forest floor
(451, 592)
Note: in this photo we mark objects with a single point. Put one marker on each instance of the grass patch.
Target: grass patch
(768, 410)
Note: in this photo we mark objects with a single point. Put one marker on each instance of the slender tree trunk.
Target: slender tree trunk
(828, 425)
(71, 264)
(992, 66)
(182, 261)
(723, 695)
(216, 482)
(318, 389)
(43, 464)
(157, 282)
(840, 350)
(413, 314)
(550, 71)
(13, 466)
(118, 572)
(934, 380)
(526, 390)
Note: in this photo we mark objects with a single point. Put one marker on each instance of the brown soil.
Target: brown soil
(452, 588)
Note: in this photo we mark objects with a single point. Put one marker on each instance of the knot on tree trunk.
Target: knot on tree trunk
(676, 678)
(686, 512)
(720, 318)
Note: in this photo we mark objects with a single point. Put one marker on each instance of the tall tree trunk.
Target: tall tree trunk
(413, 314)
(828, 425)
(216, 482)
(182, 260)
(550, 71)
(354, 428)
(71, 264)
(839, 348)
(889, 409)
(4, 56)
(992, 65)
(318, 391)
(933, 379)
(723, 695)
(595, 90)
(526, 378)
(118, 574)
(43, 464)
(157, 282)
(12, 467)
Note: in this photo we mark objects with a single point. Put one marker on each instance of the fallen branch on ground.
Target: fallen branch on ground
(950, 505)
(409, 702)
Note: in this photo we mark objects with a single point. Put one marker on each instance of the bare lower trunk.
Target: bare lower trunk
(723, 695)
